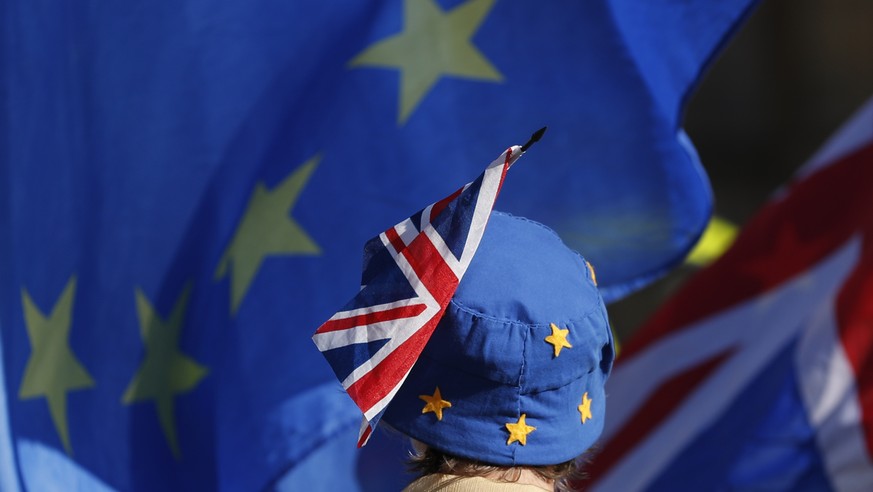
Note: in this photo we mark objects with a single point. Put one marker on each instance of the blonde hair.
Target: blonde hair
(428, 461)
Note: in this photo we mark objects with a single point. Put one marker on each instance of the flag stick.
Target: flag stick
(534, 138)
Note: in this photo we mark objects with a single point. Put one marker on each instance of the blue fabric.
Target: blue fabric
(490, 358)
(762, 442)
(134, 136)
(8, 478)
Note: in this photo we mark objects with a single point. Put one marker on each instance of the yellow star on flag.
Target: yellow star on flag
(52, 370)
(435, 403)
(433, 44)
(518, 431)
(585, 408)
(558, 339)
(165, 372)
(266, 228)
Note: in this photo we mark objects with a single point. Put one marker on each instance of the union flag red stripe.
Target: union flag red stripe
(372, 318)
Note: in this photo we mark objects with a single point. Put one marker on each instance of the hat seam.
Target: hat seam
(473, 312)
(459, 368)
(553, 232)
(530, 221)
(519, 386)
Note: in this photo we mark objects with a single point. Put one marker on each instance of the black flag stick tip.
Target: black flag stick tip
(534, 138)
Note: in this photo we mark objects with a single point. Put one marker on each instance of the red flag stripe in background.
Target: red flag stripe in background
(803, 225)
(777, 244)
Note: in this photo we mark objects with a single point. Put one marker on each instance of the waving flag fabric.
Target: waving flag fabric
(758, 375)
(416, 267)
(185, 187)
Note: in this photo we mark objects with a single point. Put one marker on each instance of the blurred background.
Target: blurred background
(96, 85)
(792, 74)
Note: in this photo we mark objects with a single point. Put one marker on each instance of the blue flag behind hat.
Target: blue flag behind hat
(193, 180)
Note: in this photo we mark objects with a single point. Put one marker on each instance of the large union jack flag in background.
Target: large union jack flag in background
(758, 375)
(410, 273)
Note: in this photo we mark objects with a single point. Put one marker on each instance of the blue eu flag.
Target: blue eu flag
(185, 187)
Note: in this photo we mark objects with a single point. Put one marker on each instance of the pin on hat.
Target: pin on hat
(490, 343)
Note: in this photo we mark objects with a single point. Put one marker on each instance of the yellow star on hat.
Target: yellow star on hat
(558, 339)
(518, 431)
(585, 408)
(435, 403)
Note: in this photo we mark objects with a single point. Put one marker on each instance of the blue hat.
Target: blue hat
(514, 372)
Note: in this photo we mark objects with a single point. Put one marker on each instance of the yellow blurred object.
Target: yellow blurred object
(615, 343)
(716, 239)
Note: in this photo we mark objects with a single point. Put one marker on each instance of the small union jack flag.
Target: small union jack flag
(410, 273)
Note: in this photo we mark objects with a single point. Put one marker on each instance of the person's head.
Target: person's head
(513, 375)
(426, 460)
